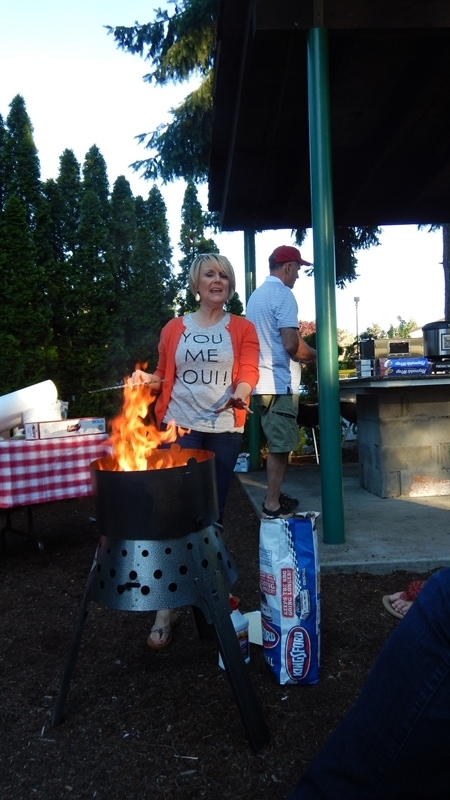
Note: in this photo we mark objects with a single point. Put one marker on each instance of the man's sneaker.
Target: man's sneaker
(287, 503)
(287, 506)
(280, 513)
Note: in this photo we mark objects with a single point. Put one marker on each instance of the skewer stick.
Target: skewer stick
(123, 385)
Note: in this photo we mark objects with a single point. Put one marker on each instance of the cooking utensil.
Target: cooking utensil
(122, 386)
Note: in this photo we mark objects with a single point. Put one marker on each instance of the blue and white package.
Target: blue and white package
(403, 366)
(290, 597)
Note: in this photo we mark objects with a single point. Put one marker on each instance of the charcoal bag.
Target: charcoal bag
(290, 597)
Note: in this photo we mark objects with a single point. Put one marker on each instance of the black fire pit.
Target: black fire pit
(170, 501)
(161, 547)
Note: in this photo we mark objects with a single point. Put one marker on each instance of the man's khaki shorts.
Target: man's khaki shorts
(278, 414)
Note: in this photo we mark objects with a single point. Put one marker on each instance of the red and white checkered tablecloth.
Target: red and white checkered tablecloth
(45, 470)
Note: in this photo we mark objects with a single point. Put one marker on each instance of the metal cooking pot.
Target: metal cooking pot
(436, 339)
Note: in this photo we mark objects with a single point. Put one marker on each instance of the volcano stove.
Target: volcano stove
(160, 547)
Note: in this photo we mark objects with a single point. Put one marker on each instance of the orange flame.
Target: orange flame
(134, 441)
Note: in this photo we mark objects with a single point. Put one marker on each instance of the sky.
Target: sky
(80, 90)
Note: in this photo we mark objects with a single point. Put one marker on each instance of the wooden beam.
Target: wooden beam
(291, 15)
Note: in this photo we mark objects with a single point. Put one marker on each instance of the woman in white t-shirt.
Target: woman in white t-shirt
(207, 369)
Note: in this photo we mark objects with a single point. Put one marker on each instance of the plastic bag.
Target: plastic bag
(290, 597)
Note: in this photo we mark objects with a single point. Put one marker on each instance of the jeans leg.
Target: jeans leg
(226, 448)
(394, 742)
(192, 440)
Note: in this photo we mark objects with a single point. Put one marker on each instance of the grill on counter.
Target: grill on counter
(384, 348)
(436, 344)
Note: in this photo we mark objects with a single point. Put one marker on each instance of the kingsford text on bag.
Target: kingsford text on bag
(290, 597)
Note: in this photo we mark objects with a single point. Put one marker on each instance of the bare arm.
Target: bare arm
(297, 348)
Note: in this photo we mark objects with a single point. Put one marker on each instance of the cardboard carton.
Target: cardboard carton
(57, 429)
(242, 463)
(403, 366)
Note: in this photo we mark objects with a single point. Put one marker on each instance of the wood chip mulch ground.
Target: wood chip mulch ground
(139, 724)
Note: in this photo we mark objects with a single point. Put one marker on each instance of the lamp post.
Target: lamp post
(356, 299)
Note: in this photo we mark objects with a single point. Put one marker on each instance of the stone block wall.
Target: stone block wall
(404, 440)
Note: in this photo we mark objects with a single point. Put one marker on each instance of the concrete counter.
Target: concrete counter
(403, 434)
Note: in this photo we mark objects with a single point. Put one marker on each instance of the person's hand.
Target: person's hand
(234, 402)
(308, 362)
(139, 376)
(146, 378)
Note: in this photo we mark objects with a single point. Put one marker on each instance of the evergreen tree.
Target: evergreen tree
(63, 201)
(152, 288)
(93, 293)
(25, 333)
(122, 237)
(46, 267)
(26, 319)
(193, 242)
(53, 202)
(347, 242)
(122, 231)
(69, 185)
(181, 45)
(162, 282)
(58, 286)
(2, 163)
(234, 306)
(20, 160)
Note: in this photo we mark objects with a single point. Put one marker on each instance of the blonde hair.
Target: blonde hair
(213, 259)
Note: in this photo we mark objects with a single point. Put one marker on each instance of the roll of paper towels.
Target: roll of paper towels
(254, 627)
(43, 413)
(14, 404)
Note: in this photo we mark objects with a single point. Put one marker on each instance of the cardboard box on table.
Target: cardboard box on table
(60, 428)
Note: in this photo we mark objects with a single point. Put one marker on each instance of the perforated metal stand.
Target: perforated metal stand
(196, 569)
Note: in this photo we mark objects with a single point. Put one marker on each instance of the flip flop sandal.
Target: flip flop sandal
(409, 595)
(166, 629)
(387, 604)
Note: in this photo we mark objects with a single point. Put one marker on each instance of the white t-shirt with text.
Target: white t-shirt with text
(204, 368)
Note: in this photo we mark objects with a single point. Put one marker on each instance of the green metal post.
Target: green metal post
(249, 263)
(253, 426)
(325, 287)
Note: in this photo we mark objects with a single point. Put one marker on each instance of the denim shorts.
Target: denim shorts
(278, 414)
